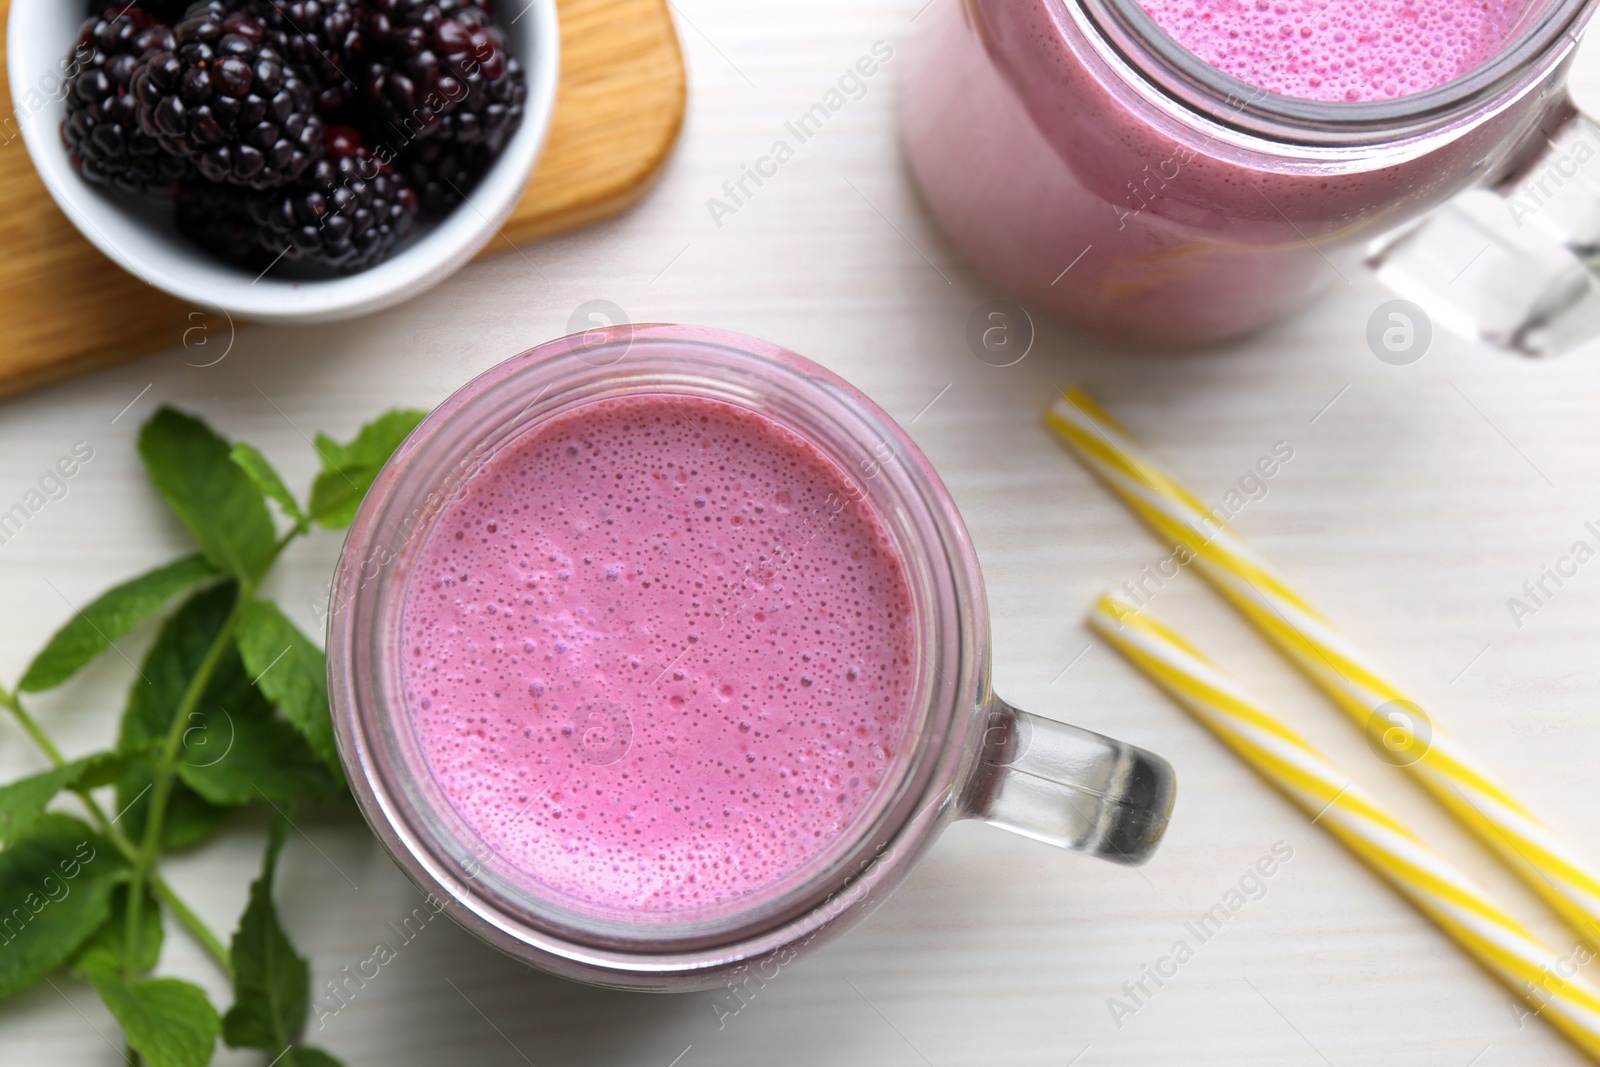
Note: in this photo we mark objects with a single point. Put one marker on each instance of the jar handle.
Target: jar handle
(1071, 788)
(1486, 267)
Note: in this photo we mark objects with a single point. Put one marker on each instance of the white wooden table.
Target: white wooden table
(1413, 508)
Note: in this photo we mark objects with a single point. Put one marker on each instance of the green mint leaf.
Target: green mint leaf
(190, 819)
(224, 510)
(113, 614)
(272, 982)
(266, 477)
(172, 661)
(314, 1057)
(23, 801)
(55, 884)
(102, 768)
(237, 750)
(106, 951)
(292, 672)
(348, 471)
(243, 754)
(170, 1023)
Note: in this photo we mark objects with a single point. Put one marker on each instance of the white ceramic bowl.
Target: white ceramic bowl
(144, 241)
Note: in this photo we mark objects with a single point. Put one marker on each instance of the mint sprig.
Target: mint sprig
(228, 709)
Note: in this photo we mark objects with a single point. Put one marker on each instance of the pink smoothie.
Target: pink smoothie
(657, 655)
(1088, 195)
(1344, 49)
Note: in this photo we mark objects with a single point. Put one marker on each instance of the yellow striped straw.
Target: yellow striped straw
(1398, 729)
(1472, 918)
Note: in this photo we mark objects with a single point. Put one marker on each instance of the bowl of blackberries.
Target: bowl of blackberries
(285, 160)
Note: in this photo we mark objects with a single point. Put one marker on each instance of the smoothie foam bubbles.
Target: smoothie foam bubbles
(657, 655)
(1343, 50)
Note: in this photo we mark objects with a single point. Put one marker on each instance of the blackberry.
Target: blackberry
(217, 218)
(440, 68)
(225, 98)
(348, 214)
(166, 12)
(323, 39)
(442, 173)
(101, 129)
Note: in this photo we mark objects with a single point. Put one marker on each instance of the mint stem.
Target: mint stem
(191, 922)
(164, 892)
(175, 904)
(31, 727)
(166, 776)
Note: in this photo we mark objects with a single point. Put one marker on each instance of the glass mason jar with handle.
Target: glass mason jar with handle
(1103, 173)
(962, 753)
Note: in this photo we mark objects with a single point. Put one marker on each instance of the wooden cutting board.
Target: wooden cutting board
(66, 309)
